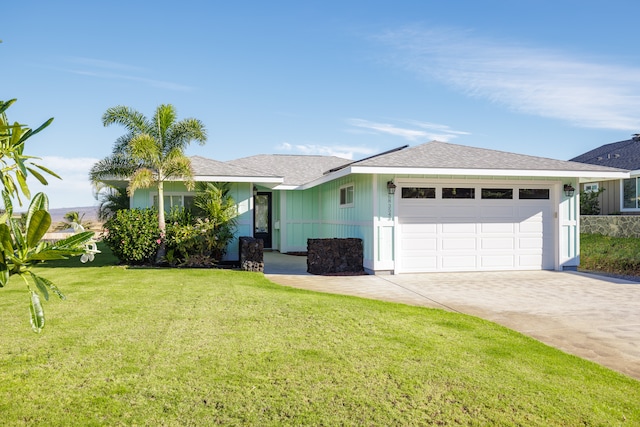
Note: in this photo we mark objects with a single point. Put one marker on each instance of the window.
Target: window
(630, 193)
(533, 193)
(171, 200)
(418, 193)
(591, 188)
(346, 196)
(497, 193)
(458, 193)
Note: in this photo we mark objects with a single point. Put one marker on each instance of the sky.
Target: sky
(347, 78)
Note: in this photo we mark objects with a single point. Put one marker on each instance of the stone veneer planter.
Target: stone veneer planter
(611, 225)
(335, 256)
(251, 254)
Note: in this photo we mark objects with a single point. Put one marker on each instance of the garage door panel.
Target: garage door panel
(460, 262)
(501, 262)
(497, 212)
(535, 227)
(417, 227)
(417, 244)
(456, 228)
(497, 243)
(468, 243)
(497, 227)
(530, 243)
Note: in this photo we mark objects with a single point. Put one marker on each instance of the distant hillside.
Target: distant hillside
(90, 213)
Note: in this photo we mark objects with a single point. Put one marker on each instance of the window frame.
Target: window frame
(170, 195)
(345, 188)
(622, 195)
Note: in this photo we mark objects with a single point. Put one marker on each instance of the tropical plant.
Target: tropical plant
(133, 235)
(151, 152)
(201, 238)
(14, 164)
(112, 199)
(21, 245)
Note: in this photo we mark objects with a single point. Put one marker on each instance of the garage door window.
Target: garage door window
(418, 193)
(458, 193)
(533, 193)
(497, 193)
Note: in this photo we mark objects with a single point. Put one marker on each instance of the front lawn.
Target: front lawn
(205, 347)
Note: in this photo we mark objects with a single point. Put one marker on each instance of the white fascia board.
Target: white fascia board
(221, 178)
(329, 177)
(489, 172)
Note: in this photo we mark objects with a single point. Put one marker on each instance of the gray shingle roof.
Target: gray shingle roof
(209, 167)
(295, 169)
(439, 155)
(622, 154)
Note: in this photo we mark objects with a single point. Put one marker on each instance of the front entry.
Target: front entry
(262, 218)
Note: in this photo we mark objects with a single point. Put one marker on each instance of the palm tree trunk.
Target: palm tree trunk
(162, 250)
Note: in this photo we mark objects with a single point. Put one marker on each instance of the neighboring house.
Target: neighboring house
(431, 207)
(621, 195)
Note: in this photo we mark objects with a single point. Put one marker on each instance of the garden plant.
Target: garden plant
(21, 245)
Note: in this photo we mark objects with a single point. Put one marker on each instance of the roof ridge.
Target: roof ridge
(393, 150)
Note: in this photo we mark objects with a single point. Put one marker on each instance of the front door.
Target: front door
(262, 218)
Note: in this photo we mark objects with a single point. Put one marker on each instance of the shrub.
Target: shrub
(133, 235)
(201, 238)
(589, 202)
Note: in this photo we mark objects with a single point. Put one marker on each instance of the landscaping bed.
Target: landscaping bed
(619, 256)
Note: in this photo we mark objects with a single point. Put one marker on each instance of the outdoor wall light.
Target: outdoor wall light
(391, 187)
(569, 190)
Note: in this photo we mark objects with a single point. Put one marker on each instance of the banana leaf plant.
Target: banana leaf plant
(22, 247)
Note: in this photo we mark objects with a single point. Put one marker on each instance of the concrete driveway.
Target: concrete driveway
(594, 317)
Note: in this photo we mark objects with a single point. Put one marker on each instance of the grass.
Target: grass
(206, 347)
(615, 255)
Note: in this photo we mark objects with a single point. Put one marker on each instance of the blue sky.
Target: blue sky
(349, 78)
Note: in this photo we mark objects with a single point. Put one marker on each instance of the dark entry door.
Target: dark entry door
(262, 218)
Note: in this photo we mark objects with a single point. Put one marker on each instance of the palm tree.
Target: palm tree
(112, 199)
(151, 152)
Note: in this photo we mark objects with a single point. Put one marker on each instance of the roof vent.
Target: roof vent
(636, 136)
(615, 156)
(600, 158)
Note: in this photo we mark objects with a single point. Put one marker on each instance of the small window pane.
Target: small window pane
(591, 188)
(418, 193)
(346, 195)
(630, 193)
(497, 193)
(458, 193)
(533, 193)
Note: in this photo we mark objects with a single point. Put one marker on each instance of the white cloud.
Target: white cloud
(74, 190)
(543, 82)
(421, 131)
(346, 152)
(105, 69)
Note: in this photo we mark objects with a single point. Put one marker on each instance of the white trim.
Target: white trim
(486, 172)
(515, 173)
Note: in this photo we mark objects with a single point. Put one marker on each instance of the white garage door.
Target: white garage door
(473, 228)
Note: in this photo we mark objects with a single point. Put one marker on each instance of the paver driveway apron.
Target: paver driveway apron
(594, 317)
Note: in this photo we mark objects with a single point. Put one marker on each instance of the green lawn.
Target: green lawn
(206, 347)
(615, 255)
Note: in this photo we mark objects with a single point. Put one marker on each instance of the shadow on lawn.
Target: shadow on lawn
(103, 259)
